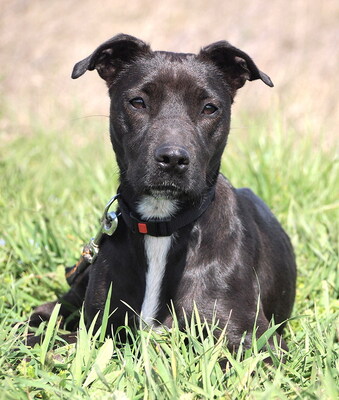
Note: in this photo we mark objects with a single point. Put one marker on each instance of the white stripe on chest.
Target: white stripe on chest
(156, 250)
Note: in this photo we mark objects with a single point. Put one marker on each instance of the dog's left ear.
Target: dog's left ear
(236, 65)
(110, 57)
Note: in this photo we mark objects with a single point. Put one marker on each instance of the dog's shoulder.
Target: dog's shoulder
(225, 209)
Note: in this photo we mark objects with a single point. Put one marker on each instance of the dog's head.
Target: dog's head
(170, 112)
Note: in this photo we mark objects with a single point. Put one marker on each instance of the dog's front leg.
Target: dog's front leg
(244, 331)
(70, 302)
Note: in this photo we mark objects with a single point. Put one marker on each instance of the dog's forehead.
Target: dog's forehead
(179, 71)
(174, 66)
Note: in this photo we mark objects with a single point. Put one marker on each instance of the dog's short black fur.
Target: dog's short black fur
(169, 122)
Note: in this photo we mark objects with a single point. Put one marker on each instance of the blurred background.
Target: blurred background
(295, 43)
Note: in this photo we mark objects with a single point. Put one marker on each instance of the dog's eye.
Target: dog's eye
(138, 103)
(209, 109)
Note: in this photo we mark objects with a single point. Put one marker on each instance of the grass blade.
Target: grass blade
(50, 330)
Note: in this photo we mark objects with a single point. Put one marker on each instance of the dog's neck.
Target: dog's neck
(161, 217)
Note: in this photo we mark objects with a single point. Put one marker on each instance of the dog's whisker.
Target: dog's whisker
(90, 116)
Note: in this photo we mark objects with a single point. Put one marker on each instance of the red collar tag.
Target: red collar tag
(142, 228)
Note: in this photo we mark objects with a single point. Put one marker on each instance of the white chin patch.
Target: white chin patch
(154, 207)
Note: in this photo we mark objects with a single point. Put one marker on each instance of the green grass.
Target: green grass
(54, 184)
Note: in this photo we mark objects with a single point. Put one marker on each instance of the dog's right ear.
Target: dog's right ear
(111, 56)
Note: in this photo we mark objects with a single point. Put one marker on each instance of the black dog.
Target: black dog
(185, 236)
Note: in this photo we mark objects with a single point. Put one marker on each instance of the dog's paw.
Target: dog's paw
(41, 313)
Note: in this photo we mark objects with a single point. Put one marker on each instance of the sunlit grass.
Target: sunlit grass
(53, 187)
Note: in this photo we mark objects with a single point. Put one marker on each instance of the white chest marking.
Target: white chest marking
(156, 249)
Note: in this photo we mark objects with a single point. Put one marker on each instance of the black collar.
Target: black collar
(163, 227)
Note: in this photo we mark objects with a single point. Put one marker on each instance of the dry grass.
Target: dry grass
(295, 43)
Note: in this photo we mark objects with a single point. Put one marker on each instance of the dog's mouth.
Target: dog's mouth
(166, 190)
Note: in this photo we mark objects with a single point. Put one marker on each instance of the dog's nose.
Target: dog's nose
(172, 158)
